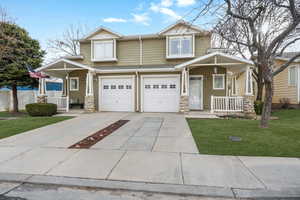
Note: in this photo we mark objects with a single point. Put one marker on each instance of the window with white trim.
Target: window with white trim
(180, 46)
(292, 76)
(218, 81)
(74, 83)
(103, 50)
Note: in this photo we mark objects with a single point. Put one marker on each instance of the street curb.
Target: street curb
(208, 191)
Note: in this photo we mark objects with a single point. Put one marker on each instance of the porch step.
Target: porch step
(201, 115)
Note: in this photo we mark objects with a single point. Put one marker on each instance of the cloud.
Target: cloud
(141, 18)
(158, 8)
(114, 20)
(184, 3)
(166, 3)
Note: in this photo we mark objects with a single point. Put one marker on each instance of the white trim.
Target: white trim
(201, 58)
(136, 70)
(168, 49)
(65, 61)
(74, 78)
(116, 77)
(213, 79)
(153, 76)
(137, 91)
(249, 81)
(114, 58)
(183, 23)
(202, 96)
(98, 30)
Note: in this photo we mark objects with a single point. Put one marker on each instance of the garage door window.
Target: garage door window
(147, 86)
(113, 87)
(164, 86)
(173, 86)
(120, 87)
(105, 87)
(128, 87)
(155, 86)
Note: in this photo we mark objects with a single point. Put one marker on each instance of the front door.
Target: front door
(196, 93)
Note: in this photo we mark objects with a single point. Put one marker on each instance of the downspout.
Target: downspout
(137, 76)
(141, 50)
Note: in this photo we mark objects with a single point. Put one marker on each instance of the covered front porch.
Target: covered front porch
(216, 83)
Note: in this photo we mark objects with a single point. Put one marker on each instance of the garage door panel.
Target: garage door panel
(161, 94)
(117, 94)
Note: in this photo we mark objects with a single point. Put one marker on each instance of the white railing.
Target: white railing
(227, 104)
(61, 102)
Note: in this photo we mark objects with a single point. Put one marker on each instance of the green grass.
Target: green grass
(10, 114)
(281, 139)
(16, 126)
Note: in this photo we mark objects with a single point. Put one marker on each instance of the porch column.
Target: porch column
(42, 97)
(65, 86)
(249, 97)
(89, 101)
(184, 97)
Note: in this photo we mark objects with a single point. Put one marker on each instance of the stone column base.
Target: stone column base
(42, 99)
(89, 104)
(184, 104)
(248, 106)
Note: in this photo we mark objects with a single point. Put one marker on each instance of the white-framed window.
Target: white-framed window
(74, 83)
(233, 86)
(293, 76)
(180, 46)
(103, 50)
(218, 81)
(249, 82)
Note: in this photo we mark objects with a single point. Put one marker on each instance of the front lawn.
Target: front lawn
(15, 126)
(281, 139)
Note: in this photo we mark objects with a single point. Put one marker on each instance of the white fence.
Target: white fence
(24, 97)
(227, 104)
(61, 102)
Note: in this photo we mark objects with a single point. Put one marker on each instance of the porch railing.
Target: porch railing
(61, 102)
(227, 104)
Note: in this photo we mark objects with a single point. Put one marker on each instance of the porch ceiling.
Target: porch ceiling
(231, 63)
(61, 67)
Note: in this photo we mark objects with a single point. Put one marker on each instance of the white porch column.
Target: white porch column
(184, 98)
(42, 98)
(248, 106)
(89, 101)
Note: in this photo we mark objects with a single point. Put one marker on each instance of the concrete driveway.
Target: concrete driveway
(151, 147)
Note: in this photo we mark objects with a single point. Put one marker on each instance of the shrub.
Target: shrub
(285, 103)
(258, 107)
(41, 109)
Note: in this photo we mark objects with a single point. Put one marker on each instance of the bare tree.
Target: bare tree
(261, 29)
(68, 43)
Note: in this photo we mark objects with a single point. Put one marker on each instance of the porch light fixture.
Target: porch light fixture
(215, 70)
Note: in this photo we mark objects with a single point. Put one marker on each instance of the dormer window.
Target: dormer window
(104, 50)
(180, 46)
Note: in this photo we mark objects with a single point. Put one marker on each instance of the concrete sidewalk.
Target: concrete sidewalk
(153, 152)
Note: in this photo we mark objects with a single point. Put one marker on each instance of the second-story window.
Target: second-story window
(180, 46)
(103, 50)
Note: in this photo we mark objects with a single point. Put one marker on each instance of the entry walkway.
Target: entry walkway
(152, 148)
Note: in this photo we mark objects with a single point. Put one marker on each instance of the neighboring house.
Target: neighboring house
(27, 94)
(175, 70)
(287, 83)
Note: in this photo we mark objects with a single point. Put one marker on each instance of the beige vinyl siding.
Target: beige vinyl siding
(154, 52)
(78, 96)
(208, 91)
(282, 88)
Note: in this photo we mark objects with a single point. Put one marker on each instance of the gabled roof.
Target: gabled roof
(98, 30)
(202, 58)
(182, 22)
(62, 60)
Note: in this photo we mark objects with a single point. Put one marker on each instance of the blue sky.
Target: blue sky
(47, 19)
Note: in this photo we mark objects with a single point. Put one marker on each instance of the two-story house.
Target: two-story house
(174, 70)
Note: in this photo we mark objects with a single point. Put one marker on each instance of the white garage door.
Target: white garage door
(117, 94)
(161, 94)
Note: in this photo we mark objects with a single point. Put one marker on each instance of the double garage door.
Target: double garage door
(156, 93)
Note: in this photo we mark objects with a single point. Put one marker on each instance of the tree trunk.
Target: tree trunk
(260, 87)
(266, 114)
(15, 98)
